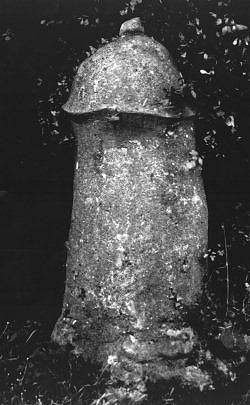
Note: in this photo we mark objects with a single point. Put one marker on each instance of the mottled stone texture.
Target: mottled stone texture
(138, 234)
(134, 73)
(139, 218)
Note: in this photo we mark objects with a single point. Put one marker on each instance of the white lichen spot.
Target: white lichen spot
(222, 366)
(124, 151)
(196, 375)
(196, 199)
(88, 200)
(121, 249)
(109, 302)
(118, 262)
(193, 153)
(112, 359)
(173, 332)
(184, 201)
(169, 210)
(189, 165)
(122, 237)
(131, 307)
(171, 278)
(133, 339)
(140, 322)
(112, 277)
(170, 133)
(132, 346)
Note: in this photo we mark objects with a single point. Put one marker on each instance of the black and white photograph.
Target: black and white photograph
(124, 202)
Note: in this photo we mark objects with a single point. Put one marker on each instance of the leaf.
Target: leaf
(236, 27)
(226, 30)
(104, 41)
(193, 94)
(230, 121)
(84, 22)
(205, 72)
(133, 4)
(193, 153)
(30, 336)
(124, 12)
(240, 27)
(200, 161)
(92, 49)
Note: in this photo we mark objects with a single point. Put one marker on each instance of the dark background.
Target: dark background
(41, 44)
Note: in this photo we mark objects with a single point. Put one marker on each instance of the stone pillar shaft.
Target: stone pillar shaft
(138, 232)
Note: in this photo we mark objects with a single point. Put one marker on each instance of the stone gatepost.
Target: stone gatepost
(139, 218)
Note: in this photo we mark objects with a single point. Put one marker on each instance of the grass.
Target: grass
(35, 371)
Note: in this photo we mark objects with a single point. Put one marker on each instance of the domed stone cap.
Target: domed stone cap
(132, 74)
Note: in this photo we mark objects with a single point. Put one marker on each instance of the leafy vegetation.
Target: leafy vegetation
(41, 47)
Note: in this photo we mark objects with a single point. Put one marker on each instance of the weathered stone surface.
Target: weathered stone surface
(138, 233)
(135, 74)
(139, 218)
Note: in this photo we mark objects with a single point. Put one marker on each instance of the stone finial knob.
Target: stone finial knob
(131, 27)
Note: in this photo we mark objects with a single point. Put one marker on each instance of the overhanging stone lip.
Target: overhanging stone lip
(169, 113)
(135, 74)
